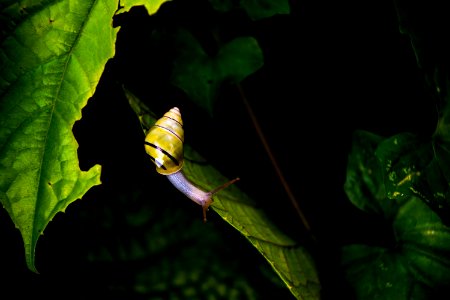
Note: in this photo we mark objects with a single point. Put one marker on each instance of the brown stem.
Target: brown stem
(273, 160)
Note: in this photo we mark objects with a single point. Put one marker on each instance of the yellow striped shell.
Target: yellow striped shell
(164, 142)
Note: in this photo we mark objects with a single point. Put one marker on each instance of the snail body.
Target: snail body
(164, 144)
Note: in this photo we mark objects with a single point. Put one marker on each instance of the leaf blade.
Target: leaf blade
(290, 260)
(50, 73)
(260, 9)
(200, 75)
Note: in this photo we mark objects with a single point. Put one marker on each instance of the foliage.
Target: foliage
(405, 179)
(47, 76)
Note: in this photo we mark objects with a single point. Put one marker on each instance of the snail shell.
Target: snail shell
(164, 145)
(164, 142)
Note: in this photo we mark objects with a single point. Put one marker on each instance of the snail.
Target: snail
(164, 143)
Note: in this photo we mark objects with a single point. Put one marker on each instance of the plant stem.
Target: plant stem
(274, 161)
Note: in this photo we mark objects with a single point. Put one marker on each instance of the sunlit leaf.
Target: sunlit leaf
(200, 75)
(418, 261)
(48, 73)
(52, 56)
(290, 260)
(443, 128)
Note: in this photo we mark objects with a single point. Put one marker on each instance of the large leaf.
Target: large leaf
(419, 262)
(412, 166)
(364, 184)
(52, 56)
(419, 258)
(290, 260)
(200, 75)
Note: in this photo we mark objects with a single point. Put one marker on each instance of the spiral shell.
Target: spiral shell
(164, 142)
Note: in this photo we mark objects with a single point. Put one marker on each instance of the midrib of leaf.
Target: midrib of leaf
(36, 111)
(44, 161)
(48, 75)
(290, 260)
(45, 153)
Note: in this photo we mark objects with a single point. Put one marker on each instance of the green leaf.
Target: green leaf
(402, 158)
(145, 116)
(412, 166)
(48, 73)
(364, 184)
(290, 260)
(201, 75)
(376, 274)
(419, 260)
(260, 9)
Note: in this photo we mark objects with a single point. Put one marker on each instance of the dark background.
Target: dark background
(330, 68)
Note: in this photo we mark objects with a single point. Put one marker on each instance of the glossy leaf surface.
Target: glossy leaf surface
(418, 259)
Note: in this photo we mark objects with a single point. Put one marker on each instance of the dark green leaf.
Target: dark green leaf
(201, 75)
(403, 157)
(383, 177)
(415, 167)
(442, 134)
(419, 262)
(376, 274)
(364, 184)
(52, 56)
